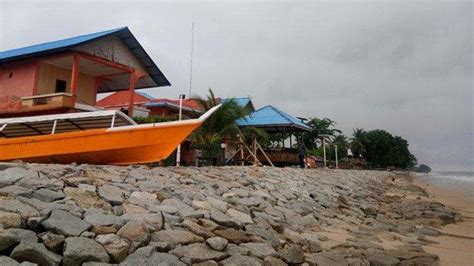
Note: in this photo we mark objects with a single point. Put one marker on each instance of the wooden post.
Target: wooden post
(75, 75)
(241, 155)
(133, 81)
(265, 154)
(255, 150)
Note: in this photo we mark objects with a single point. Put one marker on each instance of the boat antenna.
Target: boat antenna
(191, 63)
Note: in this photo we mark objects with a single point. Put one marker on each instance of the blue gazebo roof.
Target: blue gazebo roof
(273, 119)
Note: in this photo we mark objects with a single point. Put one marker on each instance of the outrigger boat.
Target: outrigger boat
(100, 137)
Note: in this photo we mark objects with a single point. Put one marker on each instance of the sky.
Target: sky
(402, 66)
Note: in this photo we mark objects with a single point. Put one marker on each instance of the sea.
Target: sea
(463, 181)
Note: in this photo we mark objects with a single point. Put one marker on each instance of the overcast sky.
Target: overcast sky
(406, 67)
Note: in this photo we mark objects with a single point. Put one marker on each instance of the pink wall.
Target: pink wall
(16, 81)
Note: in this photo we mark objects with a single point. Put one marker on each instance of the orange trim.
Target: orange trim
(97, 82)
(36, 78)
(133, 80)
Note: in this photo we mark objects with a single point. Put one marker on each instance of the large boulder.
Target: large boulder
(292, 254)
(13, 205)
(217, 243)
(149, 256)
(13, 174)
(111, 194)
(36, 253)
(136, 233)
(10, 219)
(64, 223)
(48, 195)
(78, 250)
(7, 261)
(52, 241)
(260, 250)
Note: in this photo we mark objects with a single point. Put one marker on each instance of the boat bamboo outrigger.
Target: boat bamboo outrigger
(102, 137)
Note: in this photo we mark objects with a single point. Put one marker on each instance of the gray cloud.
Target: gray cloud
(401, 66)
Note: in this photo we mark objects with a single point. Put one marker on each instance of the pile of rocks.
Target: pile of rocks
(136, 215)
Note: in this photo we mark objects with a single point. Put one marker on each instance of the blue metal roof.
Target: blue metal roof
(271, 117)
(67, 44)
(240, 101)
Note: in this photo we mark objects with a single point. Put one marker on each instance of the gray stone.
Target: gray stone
(10, 219)
(251, 201)
(149, 256)
(217, 243)
(176, 237)
(36, 253)
(240, 216)
(326, 258)
(52, 242)
(99, 217)
(143, 199)
(15, 190)
(7, 240)
(184, 209)
(292, 254)
(237, 260)
(48, 195)
(7, 261)
(224, 220)
(115, 246)
(111, 194)
(429, 231)
(272, 261)
(233, 236)
(164, 208)
(260, 250)
(380, 259)
(21, 235)
(197, 229)
(78, 250)
(64, 223)
(14, 174)
(198, 252)
(369, 210)
(13, 205)
(153, 221)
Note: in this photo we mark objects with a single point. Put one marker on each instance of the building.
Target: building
(147, 105)
(66, 75)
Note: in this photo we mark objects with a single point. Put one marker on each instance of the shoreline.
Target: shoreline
(455, 246)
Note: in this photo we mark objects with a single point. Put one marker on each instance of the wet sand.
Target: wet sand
(456, 244)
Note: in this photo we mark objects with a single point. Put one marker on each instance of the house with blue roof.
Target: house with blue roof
(66, 75)
(244, 102)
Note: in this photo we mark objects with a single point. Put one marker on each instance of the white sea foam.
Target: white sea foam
(455, 176)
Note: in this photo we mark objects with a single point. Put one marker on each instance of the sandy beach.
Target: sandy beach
(456, 244)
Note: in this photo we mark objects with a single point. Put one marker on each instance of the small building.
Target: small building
(244, 102)
(66, 75)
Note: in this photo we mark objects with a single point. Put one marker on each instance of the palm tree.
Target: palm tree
(218, 128)
(358, 141)
(319, 127)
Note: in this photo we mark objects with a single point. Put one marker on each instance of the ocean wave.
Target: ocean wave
(459, 176)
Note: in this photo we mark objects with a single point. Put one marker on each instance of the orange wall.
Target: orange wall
(20, 84)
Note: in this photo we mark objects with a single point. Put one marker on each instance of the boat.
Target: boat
(100, 137)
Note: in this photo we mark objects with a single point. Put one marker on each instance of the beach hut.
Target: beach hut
(66, 75)
(273, 120)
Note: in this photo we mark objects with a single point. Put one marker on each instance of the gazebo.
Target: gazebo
(272, 120)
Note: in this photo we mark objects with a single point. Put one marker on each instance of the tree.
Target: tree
(218, 127)
(342, 145)
(384, 150)
(423, 168)
(318, 126)
(357, 142)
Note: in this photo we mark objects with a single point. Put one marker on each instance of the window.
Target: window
(60, 86)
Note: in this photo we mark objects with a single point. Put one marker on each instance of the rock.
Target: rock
(11, 175)
(143, 199)
(251, 201)
(260, 250)
(52, 242)
(314, 246)
(7, 261)
(176, 237)
(48, 195)
(102, 221)
(217, 243)
(6, 240)
(369, 210)
(198, 252)
(149, 256)
(13, 205)
(111, 194)
(326, 258)
(233, 236)
(292, 254)
(10, 219)
(197, 229)
(380, 259)
(183, 209)
(21, 235)
(206, 263)
(420, 261)
(87, 234)
(64, 223)
(115, 246)
(135, 232)
(224, 220)
(164, 208)
(153, 221)
(429, 231)
(218, 204)
(272, 261)
(237, 260)
(36, 253)
(240, 216)
(78, 250)
(84, 198)
(15, 190)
